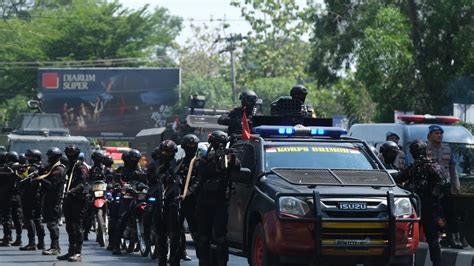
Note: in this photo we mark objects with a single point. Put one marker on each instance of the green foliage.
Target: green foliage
(201, 55)
(469, 126)
(355, 100)
(386, 63)
(274, 47)
(11, 107)
(426, 45)
(218, 92)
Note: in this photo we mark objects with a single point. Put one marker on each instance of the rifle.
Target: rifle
(48, 173)
(188, 175)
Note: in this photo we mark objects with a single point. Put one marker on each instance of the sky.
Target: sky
(201, 11)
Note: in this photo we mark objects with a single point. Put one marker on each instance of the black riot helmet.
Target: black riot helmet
(33, 155)
(131, 158)
(23, 160)
(12, 157)
(218, 137)
(299, 92)
(189, 144)
(3, 158)
(248, 98)
(418, 149)
(97, 157)
(54, 154)
(389, 151)
(108, 161)
(165, 151)
(72, 152)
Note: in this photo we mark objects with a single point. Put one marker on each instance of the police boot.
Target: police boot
(457, 241)
(5, 242)
(40, 244)
(204, 263)
(76, 257)
(18, 241)
(30, 247)
(69, 253)
(54, 250)
(162, 262)
(185, 256)
(131, 247)
(222, 263)
(117, 250)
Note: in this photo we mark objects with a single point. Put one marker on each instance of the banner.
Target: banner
(109, 103)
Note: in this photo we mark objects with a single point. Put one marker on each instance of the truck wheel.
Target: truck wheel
(259, 254)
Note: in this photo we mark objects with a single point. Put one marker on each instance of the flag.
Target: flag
(245, 126)
(175, 124)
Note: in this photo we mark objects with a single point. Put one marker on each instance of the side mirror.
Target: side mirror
(244, 175)
(394, 173)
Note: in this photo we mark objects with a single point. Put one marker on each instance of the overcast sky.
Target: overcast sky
(200, 11)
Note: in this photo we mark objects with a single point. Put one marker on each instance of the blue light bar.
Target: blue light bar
(152, 199)
(298, 130)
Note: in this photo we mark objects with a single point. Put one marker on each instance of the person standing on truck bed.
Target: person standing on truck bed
(248, 99)
(442, 154)
(423, 177)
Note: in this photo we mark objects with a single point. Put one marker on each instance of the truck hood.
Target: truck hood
(273, 183)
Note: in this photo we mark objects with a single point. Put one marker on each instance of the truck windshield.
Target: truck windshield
(317, 156)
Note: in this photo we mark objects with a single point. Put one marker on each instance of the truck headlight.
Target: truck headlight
(292, 206)
(403, 207)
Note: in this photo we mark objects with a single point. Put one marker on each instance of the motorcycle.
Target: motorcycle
(99, 190)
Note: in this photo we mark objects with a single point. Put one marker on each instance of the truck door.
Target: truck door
(240, 195)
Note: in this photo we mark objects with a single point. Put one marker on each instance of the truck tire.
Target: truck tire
(259, 254)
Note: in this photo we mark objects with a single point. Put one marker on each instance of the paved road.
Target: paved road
(93, 254)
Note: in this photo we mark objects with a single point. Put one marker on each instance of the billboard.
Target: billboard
(109, 103)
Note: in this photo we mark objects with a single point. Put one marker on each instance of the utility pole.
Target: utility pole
(231, 47)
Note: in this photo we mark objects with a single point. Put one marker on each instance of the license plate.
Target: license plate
(352, 242)
(352, 206)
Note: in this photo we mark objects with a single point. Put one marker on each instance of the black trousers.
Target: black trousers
(32, 218)
(212, 216)
(12, 211)
(429, 222)
(188, 212)
(74, 210)
(123, 213)
(168, 226)
(449, 210)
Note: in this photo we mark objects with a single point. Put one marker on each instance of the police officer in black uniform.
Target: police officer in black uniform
(95, 173)
(31, 201)
(423, 177)
(293, 105)
(233, 120)
(74, 202)
(52, 186)
(189, 143)
(212, 199)
(108, 169)
(13, 209)
(166, 218)
(131, 174)
(389, 151)
(4, 178)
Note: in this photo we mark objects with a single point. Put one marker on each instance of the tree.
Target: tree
(274, 47)
(386, 63)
